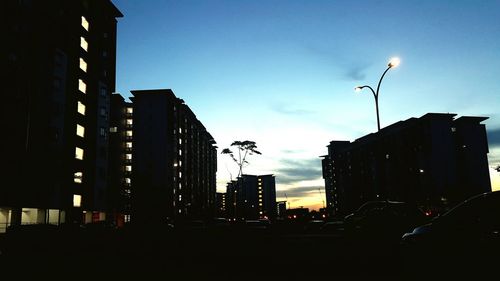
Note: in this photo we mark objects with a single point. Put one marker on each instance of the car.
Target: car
(386, 220)
(333, 227)
(466, 236)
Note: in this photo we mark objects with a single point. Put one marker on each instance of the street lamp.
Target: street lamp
(394, 62)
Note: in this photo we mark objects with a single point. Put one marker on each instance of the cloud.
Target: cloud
(284, 108)
(352, 69)
(494, 137)
(302, 191)
(355, 72)
(298, 170)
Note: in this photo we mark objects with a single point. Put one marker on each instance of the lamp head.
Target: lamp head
(394, 62)
(358, 89)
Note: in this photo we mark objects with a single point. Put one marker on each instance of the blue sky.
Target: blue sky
(282, 73)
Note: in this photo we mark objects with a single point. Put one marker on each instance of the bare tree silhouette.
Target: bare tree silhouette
(245, 148)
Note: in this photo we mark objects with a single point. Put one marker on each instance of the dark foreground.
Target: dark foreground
(222, 254)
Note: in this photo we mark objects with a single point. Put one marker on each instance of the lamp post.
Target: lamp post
(394, 62)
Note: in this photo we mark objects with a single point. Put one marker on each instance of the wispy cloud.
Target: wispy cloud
(298, 170)
(494, 137)
(288, 109)
(352, 69)
(301, 191)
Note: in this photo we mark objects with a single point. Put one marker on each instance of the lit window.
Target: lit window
(127, 180)
(77, 200)
(85, 23)
(129, 121)
(78, 177)
(81, 108)
(180, 152)
(128, 156)
(128, 168)
(128, 144)
(84, 44)
(180, 197)
(129, 133)
(180, 174)
(180, 163)
(113, 129)
(80, 130)
(82, 86)
(83, 65)
(180, 141)
(129, 110)
(79, 153)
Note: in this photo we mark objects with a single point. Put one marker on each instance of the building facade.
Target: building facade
(252, 197)
(174, 160)
(220, 200)
(434, 161)
(60, 59)
(120, 159)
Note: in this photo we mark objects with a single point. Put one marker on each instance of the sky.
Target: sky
(282, 73)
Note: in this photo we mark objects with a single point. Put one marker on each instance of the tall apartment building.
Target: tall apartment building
(120, 159)
(251, 197)
(174, 160)
(434, 161)
(59, 61)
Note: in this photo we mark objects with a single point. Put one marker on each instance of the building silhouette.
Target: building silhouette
(120, 159)
(281, 210)
(174, 160)
(220, 199)
(434, 161)
(251, 197)
(59, 72)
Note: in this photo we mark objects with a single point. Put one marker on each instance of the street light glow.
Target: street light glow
(357, 89)
(394, 62)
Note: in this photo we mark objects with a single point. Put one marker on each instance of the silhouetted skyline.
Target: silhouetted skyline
(282, 73)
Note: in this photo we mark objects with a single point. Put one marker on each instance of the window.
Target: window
(103, 92)
(77, 200)
(83, 65)
(104, 54)
(113, 129)
(128, 156)
(128, 133)
(79, 153)
(130, 110)
(81, 108)
(84, 44)
(77, 178)
(85, 23)
(102, 132)
(129, 121)
(82, 86)
(127, 180)
(128, 168)
(128, 144)
(80, 130)
(103, 111)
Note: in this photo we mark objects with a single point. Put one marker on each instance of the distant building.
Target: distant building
(300, 214)
(220, 199)
(252, 197)
(434, 161)
(120, 158)
(174, 160)
(58, 74)
(281, 209)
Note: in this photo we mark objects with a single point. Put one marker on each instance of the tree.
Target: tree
(245, 148)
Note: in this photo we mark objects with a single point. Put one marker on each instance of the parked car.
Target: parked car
(333, 227)
(467, 236)
(387, 220)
